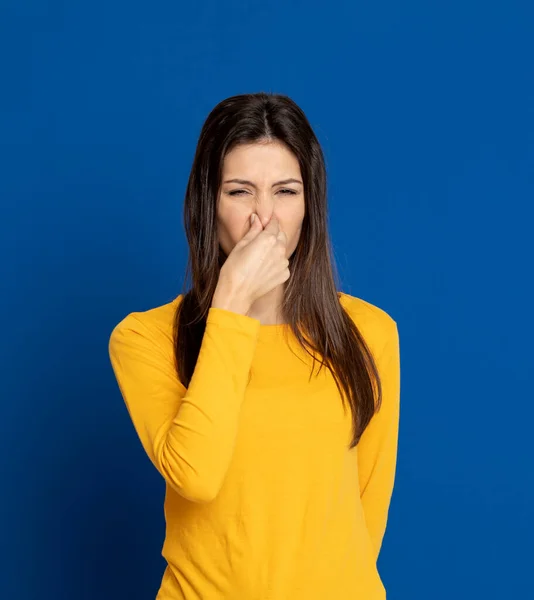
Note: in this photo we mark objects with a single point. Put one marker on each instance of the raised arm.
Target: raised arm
(188, 434)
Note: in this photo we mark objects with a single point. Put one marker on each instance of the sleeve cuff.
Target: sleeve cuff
(232, 320)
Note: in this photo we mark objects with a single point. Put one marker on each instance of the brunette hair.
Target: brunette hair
(311, 304)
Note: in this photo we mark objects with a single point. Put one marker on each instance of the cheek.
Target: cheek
(231, 225)
(292, 219)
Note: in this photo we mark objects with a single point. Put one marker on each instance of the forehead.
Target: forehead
(261, 158)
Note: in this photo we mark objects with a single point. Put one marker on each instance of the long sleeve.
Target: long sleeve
(377, 448)
(188, 433)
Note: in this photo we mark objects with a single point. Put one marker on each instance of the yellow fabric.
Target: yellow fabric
(263, 498)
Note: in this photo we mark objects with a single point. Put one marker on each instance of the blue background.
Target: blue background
(426, 114)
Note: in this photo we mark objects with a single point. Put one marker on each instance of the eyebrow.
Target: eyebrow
(246, 182)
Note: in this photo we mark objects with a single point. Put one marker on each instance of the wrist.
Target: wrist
(228, 299)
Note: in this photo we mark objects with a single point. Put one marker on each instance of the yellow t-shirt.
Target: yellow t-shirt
(263, 498)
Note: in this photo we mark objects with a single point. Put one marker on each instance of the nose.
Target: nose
(265, 206)
(265, 212)
(264, 217)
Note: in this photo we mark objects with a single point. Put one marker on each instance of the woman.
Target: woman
(278, 475)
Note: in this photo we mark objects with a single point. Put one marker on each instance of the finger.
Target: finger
(273, 226)
(254, 229)
(282, 237)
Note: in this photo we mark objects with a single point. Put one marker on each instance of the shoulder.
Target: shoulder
(377, 326)
(363, 310)
(154, 325)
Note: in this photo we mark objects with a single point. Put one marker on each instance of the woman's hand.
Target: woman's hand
(255, 266)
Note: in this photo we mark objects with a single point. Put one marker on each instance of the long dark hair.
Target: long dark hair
(311, 304)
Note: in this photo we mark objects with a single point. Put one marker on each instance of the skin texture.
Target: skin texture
(263, 164)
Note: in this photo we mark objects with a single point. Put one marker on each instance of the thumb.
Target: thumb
(255, 228)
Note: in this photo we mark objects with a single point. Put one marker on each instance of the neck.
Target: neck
(267, 308)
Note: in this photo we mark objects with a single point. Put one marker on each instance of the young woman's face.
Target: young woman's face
(263, 172)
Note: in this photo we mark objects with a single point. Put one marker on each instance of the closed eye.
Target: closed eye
(241, 192)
